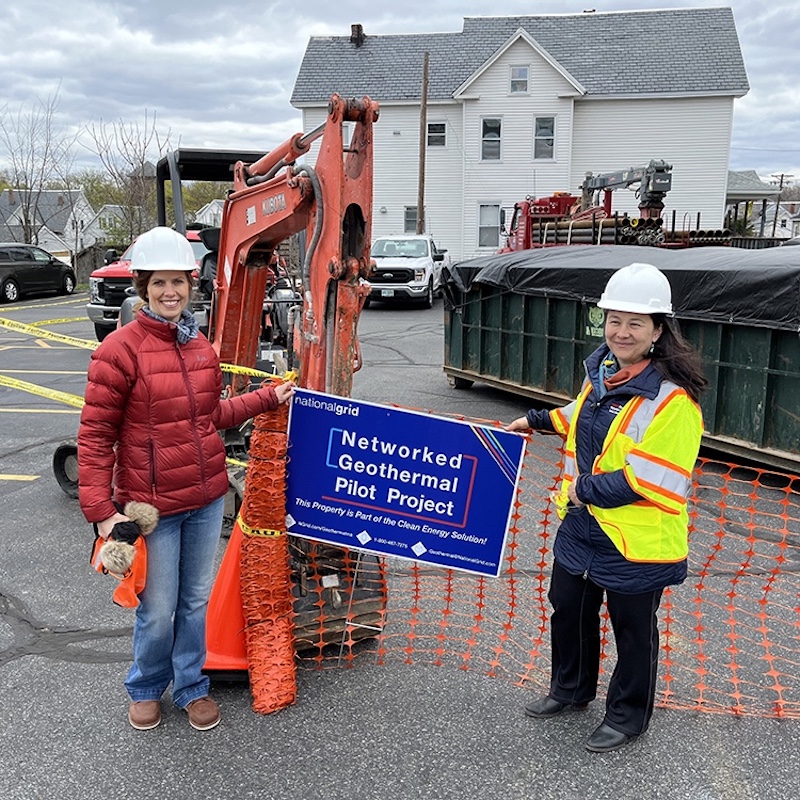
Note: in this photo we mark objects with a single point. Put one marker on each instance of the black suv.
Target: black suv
(25, 269)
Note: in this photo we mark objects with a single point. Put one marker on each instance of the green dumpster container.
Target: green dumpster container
(524, 322)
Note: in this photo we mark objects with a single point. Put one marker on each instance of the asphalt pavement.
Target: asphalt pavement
(363, 732)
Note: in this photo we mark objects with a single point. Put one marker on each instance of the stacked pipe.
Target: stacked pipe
(701, 238)
(611, 230)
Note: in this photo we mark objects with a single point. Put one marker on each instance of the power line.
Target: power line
(768, 149)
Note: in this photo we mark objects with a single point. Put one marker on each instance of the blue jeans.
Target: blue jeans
(169, 635)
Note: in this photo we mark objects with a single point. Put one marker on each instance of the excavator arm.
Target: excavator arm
(274, 198)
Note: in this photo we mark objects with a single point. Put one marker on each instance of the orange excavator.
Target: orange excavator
(334, 595)
(329, 205)
(275, 198)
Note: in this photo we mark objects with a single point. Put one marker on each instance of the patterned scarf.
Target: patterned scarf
(186, 325)
(612, 376)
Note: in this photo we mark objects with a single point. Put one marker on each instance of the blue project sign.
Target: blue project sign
(400, 483)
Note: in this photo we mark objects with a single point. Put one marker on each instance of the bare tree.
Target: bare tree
(38, 151)
(127, 151)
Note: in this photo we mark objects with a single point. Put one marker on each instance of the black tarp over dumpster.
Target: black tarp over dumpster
(720, 284)
(525, 321)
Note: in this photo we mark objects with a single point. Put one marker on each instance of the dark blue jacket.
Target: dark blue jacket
(581, 546)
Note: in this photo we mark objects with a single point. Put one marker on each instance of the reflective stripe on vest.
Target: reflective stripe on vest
(655, 528)
(662, 476)
(562, 417)
(562, 422)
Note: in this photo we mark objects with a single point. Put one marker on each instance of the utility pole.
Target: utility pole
(782, 177)
(423, 143)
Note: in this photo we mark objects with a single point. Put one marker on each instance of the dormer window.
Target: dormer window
(519, 80)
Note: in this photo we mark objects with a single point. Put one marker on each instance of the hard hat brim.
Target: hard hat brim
(634, 308)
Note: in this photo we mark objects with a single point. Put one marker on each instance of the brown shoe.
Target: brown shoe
(203, 714)
(144, 714)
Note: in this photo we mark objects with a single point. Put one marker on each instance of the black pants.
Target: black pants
(575, 636)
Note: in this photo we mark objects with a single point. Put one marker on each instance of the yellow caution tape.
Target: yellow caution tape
(257, 373)
(253, 373)
(236, 462)
(85, 344)
(59, 321)
(41, 333)
(256, 531)
(51, 394)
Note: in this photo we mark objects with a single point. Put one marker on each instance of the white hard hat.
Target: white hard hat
(638, 289)
(162, 248)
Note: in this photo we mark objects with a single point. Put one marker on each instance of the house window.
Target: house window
(489, 226)
(410, 219)
(490, 139)
(544, 137)
(519, 80)
(437, 136)
(347, 133)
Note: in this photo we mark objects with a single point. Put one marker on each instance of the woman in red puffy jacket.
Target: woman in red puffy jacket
(150, 428)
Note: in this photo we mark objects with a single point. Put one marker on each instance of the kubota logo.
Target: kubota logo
(270, 205)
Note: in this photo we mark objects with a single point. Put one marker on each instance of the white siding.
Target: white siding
(692, 134)
(517, 174)
(396, 171)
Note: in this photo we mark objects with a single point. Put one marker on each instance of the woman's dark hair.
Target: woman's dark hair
(142, 279)
(676, 360)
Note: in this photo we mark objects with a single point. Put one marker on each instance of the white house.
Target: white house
(106, 222)
(785, 224)
(210, 213)
(56, 217)
(528, 105)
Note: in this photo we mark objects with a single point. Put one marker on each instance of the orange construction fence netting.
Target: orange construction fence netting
(730, 634)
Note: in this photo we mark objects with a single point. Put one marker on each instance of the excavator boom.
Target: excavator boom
(273, 199)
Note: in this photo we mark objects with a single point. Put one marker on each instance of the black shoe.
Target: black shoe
(606, 738)
(546, 707)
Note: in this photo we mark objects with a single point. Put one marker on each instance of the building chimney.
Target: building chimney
(357, 34)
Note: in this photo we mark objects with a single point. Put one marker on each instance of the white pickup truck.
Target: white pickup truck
(407, 267)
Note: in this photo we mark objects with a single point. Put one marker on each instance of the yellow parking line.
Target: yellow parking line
(19, 477)
(46, 371)
(80, 299)
(39, 411)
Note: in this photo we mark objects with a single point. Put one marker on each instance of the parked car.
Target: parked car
(26, 269)
(407, 267)
(109, 285)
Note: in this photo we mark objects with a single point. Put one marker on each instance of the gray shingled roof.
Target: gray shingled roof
(52, 207)
(633, 52)
(746, 185)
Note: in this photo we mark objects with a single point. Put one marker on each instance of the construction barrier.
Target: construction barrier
(264, 568)
(730, 635)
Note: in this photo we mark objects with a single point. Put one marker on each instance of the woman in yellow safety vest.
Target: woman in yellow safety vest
(632, 438)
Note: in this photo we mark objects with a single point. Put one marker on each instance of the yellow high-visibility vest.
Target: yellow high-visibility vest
(655, 442)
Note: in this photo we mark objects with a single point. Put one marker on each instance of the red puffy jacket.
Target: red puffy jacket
(153, 409)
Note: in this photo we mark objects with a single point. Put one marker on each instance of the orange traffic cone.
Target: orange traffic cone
(225, 640)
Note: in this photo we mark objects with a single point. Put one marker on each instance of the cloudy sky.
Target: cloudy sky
(220, 74)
